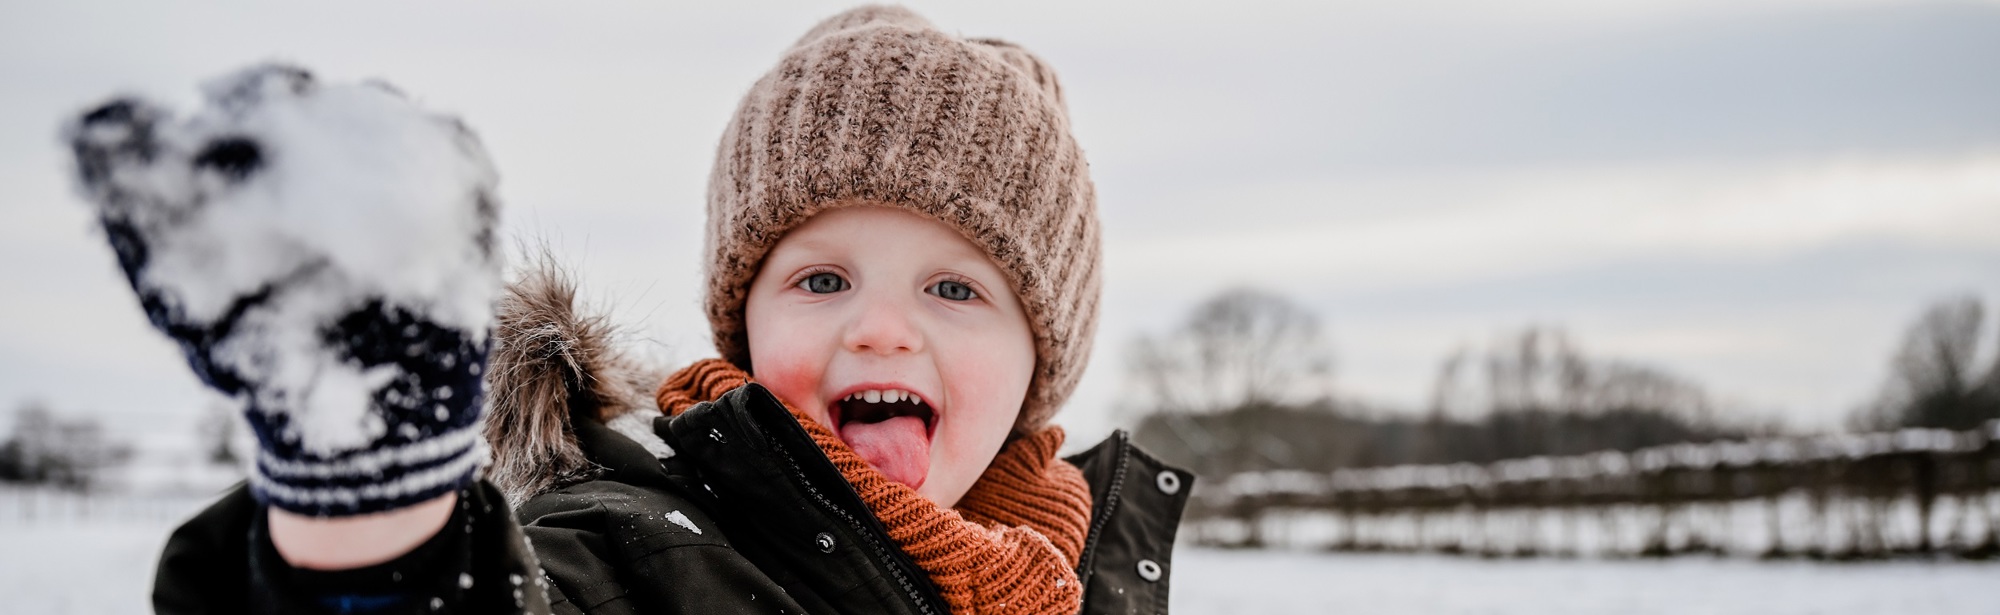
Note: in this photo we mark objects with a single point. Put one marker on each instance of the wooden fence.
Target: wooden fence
(40, 506)
(1870, 495)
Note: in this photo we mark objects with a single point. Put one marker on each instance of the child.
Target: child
(902, 284)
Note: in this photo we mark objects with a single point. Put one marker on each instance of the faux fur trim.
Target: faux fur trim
(553, 364)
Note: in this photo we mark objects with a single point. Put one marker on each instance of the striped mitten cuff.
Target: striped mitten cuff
(425, 417)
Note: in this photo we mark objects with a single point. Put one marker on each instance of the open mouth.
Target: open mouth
(889, 428)
(878, 405)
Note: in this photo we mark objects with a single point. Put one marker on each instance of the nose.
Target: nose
(883, 324)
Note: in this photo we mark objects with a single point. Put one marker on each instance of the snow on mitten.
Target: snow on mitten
(324, 255)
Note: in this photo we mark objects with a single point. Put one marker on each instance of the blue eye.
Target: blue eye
(952, 291)
(823, 283)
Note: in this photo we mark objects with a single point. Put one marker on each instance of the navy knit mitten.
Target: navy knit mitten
(324, 255)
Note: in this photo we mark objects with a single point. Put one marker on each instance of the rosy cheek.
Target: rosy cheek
(783, 355)
(794, 379)
(988, 387)
(1000, 374)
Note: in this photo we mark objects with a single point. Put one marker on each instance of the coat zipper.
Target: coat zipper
(874, 543)
(1103, 516)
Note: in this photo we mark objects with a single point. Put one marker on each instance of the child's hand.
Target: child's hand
(324, 254)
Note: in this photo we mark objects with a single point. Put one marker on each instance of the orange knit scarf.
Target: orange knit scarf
(1010, 546)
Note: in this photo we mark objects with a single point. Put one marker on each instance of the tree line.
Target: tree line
(47, 448)
(1245, 383)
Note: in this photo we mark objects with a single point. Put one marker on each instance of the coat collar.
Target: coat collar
(770, 482)
(769, 476)
(1135, 513)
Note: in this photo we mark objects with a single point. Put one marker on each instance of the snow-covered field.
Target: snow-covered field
(104, 566)
(1280, 583)
(76, 569)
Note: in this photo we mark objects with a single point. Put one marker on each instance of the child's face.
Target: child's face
(861, 299)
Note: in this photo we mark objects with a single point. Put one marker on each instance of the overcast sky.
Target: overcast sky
(1755, 196)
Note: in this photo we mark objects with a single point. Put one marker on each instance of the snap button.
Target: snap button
(1149, 570)
(1168, 482)
(825, 542)
(717, 436)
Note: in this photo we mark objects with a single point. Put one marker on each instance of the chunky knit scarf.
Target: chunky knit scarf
(1010, 546)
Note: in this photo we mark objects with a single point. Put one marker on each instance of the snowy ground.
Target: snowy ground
(99, 568)
(104, 566)
(1278, 583)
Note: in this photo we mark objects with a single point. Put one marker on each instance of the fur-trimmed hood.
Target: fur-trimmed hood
(553, 364)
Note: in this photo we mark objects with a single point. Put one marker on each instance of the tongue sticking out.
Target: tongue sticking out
(899, 448)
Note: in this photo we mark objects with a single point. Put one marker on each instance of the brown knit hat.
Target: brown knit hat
(876, 106)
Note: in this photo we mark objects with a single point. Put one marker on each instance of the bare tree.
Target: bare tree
(1534, 393)
(47, 449)
(1243, 384)
(1934, 379)
(1538, 369)
(1241, 348)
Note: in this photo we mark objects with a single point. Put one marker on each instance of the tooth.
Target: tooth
(871, 396)
(902, 395)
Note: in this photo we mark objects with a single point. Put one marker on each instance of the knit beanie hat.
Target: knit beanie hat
(875, 106)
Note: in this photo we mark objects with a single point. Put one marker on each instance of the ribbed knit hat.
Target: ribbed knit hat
(875, 106)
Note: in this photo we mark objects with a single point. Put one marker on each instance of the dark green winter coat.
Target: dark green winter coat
(746, 515)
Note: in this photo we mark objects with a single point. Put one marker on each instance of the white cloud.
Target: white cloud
(1441, 228)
